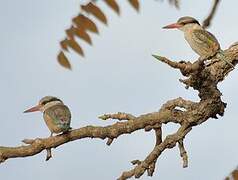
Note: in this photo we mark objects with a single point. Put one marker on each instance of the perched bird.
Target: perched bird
(201, 41)
(57, 116)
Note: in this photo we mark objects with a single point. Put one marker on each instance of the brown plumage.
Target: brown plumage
(57, 116)
(201, 41)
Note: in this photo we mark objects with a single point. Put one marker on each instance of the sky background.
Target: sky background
(118, 74)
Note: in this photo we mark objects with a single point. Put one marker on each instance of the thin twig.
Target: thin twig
(207, 22)
(183, 153)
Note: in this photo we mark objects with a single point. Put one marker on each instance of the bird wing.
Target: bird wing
(206, 39)
(61, 116)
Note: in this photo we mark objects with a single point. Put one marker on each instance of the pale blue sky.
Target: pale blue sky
(118, 74)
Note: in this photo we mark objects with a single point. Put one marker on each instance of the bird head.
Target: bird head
(45, 103)
(184, 23)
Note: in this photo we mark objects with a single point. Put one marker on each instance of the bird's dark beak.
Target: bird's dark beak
(33, 109)
(173, 26)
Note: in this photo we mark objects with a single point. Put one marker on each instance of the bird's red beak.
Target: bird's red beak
(33, 109)
(172, 26)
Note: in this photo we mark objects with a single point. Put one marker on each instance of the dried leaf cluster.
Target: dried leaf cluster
(82, 24)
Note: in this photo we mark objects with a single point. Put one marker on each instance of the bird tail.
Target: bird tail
(220, 55)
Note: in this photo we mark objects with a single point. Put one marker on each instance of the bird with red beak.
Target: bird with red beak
(201, 41)
(57, 116)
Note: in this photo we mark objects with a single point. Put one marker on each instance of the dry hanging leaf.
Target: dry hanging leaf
(85, 23)
(235, 174)
(135, 4)
(75, 46)
(63, 44)
(96, 11)
(62, 59)
(70, 33)
(113, 4)
(82, 24)
(81, 33)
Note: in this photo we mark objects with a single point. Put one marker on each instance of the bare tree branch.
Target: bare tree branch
(119, 116)
(158, 141)
(168, 143)
(183, 154)
(206, 23)
(176, 3)
(201, 77)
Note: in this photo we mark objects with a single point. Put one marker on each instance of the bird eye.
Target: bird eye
(43, 103)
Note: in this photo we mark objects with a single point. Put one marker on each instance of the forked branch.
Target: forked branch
(186, 113)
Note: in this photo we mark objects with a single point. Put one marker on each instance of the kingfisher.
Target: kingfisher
(201, 41)
(57, 116)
